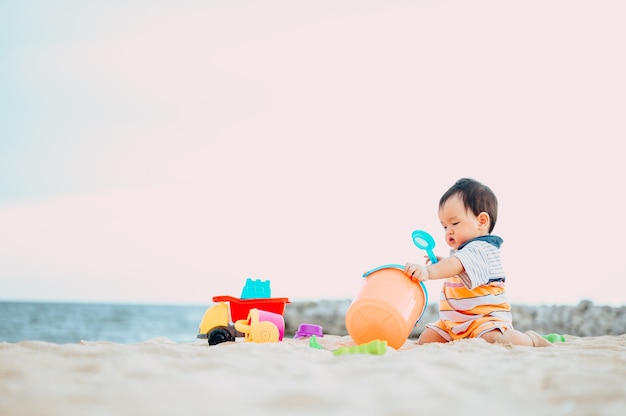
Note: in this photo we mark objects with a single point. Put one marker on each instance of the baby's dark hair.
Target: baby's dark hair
(476, 197)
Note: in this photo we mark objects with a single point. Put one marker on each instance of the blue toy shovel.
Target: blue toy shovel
(426, 242)
(423, 241)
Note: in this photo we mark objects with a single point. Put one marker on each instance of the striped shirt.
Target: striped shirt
(475, 302)
(481, 260)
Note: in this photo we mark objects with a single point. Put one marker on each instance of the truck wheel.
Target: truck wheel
(219, 335)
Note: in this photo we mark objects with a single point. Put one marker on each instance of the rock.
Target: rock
(584, 319)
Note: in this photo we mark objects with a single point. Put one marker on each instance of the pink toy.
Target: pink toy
(262, 326)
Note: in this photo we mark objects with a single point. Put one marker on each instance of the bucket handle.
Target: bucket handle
(394, 266)
(386, 266)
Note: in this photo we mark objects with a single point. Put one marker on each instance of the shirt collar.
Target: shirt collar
(494, 240)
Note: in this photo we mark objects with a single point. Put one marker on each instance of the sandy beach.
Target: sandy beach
(582, 376)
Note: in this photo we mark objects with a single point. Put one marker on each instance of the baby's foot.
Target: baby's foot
(538, 340)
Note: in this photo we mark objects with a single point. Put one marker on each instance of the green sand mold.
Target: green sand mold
(375, 347)
(554, 338)
(314, 344)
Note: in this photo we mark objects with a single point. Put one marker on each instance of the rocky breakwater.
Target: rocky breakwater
(584, 319)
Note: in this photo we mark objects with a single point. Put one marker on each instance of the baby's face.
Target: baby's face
(460, 224)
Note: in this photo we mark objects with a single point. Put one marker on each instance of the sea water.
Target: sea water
(64, 323)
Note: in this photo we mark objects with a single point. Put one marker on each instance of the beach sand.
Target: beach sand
(582, 376)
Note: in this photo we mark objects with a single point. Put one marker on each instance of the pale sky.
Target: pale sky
(166, 151)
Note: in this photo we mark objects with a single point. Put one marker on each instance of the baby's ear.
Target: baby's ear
(483, 219)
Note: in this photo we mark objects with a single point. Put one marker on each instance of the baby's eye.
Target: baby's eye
(456, 223)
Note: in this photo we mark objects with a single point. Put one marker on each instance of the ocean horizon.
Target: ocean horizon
(72, 322)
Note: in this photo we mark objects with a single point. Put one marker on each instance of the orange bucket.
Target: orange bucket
(387, 307)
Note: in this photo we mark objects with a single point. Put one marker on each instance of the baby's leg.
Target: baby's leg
(512, 336)
(430, 335)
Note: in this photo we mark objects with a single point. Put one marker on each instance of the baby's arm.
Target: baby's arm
(448, 267)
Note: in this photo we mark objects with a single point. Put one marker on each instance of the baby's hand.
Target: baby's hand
(416, 272)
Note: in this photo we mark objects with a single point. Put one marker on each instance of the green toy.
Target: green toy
(375, 347)
(314, 344)
(554, 338)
